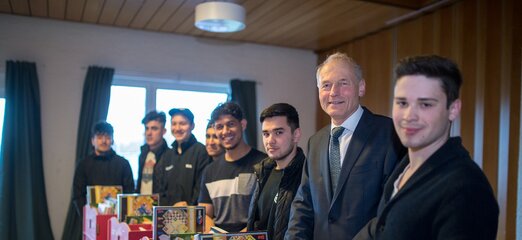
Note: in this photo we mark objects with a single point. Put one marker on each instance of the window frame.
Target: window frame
(152, 84)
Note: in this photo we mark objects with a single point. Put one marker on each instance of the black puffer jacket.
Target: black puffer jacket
(280, 213)
(180, 174)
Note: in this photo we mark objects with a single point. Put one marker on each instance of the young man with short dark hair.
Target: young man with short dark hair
(214, 148)
(279, 175)
(437, 191)
(182, 166)
(102, 167)
(227, 184)
(151, 152)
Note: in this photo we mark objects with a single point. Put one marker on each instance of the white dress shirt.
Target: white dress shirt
(349, 127)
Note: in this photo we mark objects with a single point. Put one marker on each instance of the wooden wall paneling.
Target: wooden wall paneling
(468, 67)
(110, 11)
(74, 10)
(319, 20)
(5, 7)
(514, 140)
(20, 7)
(378, 72)
(333, 32)
(429, 32)
(38, 8)
(408, 35)
(492, 94)
(506, 128)
(92, 10)
(445, 42)
(56, 9)
(451, 42)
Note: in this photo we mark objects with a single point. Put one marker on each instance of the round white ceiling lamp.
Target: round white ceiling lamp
(220, 17)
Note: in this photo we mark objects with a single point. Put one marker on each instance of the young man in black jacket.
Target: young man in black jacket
(437, 191)
(182, 166)
(279, 175)
(102, 167)
(151, 152)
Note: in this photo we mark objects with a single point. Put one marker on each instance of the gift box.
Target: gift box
(103, 197)
(178, 222)
(123, 231)
(94, 224)
(233, 236)
(131, 206)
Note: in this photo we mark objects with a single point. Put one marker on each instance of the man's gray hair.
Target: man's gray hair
(342, 57)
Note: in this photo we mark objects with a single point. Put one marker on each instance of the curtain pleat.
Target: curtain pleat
(244, 94)
(23, 201)
(95, 106)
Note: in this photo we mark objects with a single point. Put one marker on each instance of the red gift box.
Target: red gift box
(94, 224)
(123, 231)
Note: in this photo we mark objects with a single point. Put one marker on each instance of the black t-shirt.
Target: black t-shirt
(268, 198)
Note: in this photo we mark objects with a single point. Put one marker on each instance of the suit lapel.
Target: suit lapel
(357, 143)
(324, 164)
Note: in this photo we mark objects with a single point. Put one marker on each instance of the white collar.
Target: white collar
(351, 122)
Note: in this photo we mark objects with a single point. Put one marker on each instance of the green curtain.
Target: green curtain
(95, 106)
(23, 203)
(244, 94)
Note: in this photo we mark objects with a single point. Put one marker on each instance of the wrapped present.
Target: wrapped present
(123, 231)
(179, 236)
(94, 224)
(178, 222)
(104, 198)
(233, 236)
(136, 205)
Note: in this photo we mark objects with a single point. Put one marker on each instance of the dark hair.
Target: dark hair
(433, 66)
(282, 109)
(102, 128)
(210, 124)
(183, 112)
(227, 108)
(155, 116)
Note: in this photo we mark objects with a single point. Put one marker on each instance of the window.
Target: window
(132, 98)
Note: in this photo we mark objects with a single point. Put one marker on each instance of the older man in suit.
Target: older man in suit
(348, 161)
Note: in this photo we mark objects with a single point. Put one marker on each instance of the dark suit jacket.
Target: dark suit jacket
(447, 198)
(319, 213)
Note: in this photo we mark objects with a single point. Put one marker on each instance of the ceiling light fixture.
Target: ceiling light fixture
(220, 17)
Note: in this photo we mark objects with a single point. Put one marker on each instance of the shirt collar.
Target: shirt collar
(351, 122)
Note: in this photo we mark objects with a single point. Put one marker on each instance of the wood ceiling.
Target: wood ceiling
(307, 24)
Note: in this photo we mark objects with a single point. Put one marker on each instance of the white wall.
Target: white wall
(64, 50)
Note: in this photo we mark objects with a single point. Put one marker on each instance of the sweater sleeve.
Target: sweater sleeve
(202, 162)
